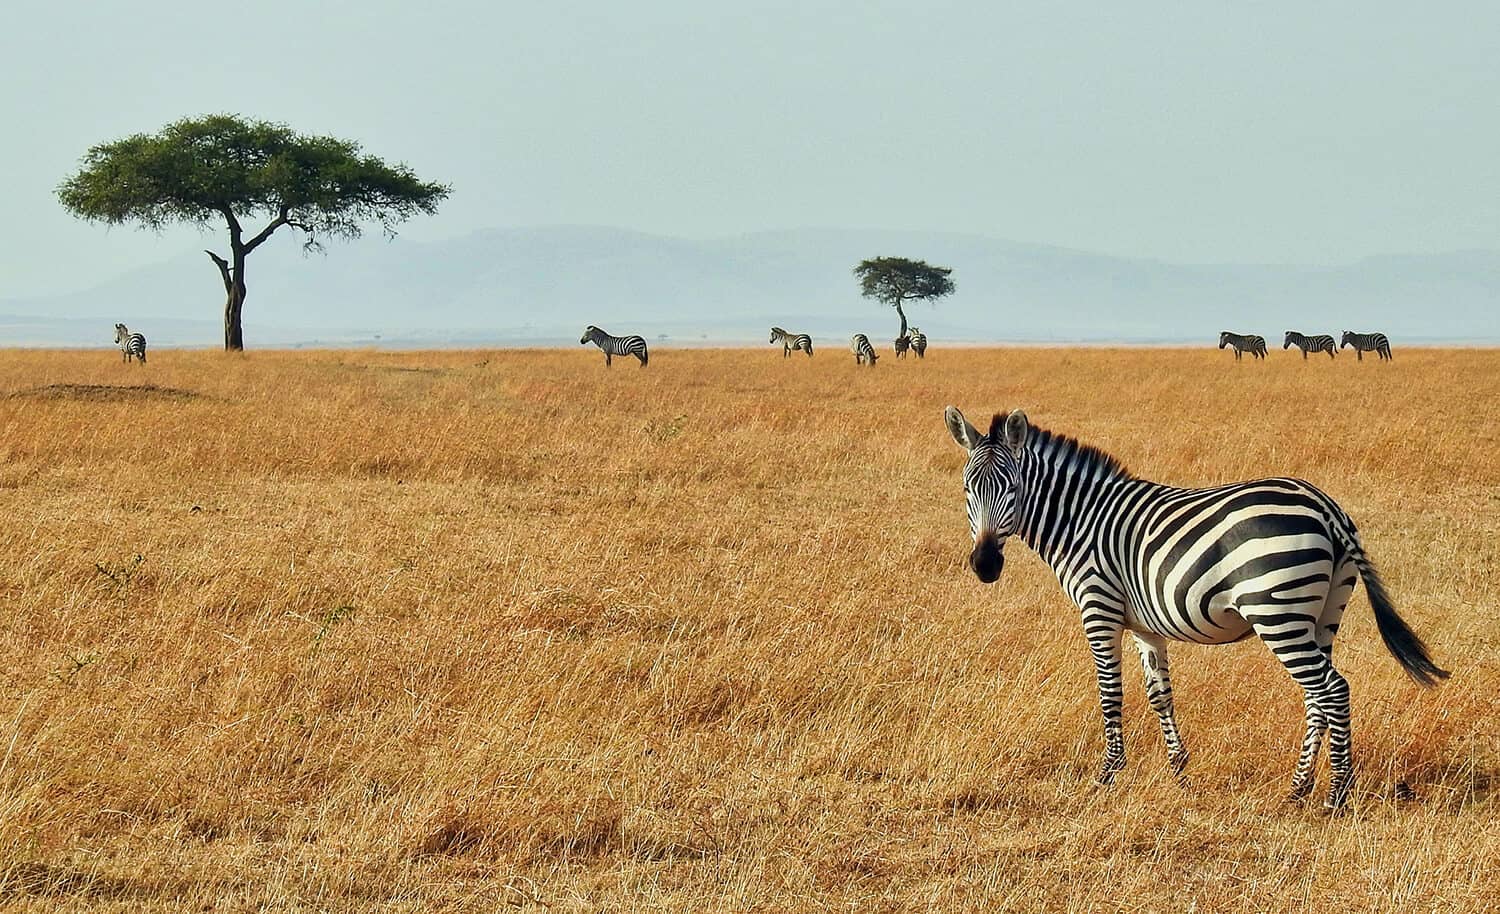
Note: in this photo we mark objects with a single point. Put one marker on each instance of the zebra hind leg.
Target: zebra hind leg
(1153, 651)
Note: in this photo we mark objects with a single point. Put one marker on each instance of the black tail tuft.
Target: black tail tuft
(1399, 639)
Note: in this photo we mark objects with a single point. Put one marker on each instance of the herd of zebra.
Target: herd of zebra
(1322, 342)
(913, 340)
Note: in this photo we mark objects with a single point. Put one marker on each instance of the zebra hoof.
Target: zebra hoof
(1338, 795)
(1178, 761)
(1107, 771)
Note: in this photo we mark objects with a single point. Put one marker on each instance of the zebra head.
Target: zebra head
(991, 485)
(1287, 343)
(1348, 339)
(776, 334)
(588, 334)
(1224, 339)
(121, 332)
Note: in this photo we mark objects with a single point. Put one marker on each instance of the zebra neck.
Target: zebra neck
(1062, 482)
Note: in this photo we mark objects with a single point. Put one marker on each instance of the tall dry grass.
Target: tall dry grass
(468, 630)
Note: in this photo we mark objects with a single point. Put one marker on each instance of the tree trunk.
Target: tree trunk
(903, 319)
(233, 277)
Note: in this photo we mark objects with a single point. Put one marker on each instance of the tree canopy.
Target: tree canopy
(224, 169)
(894, 281)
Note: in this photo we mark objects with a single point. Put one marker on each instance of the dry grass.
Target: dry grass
(469, 630)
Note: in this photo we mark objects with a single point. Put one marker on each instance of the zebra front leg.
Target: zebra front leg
(1153, 651)
(1104, 644)
(609, 361)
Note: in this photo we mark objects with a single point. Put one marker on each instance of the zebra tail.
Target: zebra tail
(1400, 640)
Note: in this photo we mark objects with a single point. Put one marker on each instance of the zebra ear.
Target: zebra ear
(965, 434)
(1016, 430)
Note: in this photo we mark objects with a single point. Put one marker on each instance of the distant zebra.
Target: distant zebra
(615, 345)
(131, 344)
(918, 342)
(791, 341)
(864, 353)
(1320, 343)
(1367, 342)
(1275, 558)
(1242, 343)
(902, 343)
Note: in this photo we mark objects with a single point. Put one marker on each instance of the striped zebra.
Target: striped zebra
(1320, 343)
(1275, 558)
(615, 345)
(791, 342)
(902, 343)
(864, 353)
(918, 342)
(132, 345)
(1367, 342)
(1242, 343)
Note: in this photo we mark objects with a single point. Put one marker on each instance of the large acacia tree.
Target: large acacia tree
(225, 170)
(894, 281)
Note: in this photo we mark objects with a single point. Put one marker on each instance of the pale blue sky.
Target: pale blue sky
(1209, 132)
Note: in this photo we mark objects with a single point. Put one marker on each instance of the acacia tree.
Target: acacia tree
(896, 280)
(223, 169)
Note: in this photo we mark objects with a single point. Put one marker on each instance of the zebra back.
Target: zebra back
(864, 353)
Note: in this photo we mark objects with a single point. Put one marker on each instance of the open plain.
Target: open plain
(460, 630)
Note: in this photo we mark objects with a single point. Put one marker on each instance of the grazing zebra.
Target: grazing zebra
(902, 343)
(1367, 342)
(131, 344)
(615, 345)
(1320, 343)
(864, 353)
(791, 341)
(1242, 343)
(918, 342)
(1275, 558)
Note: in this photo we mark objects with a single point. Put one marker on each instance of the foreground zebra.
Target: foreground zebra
(918, 342)
(864, 353)
(1244, 342)
(1367, 342)
(791, 341)
(1320, 343)
(131, 344)
(615, 345)
(1273, 557)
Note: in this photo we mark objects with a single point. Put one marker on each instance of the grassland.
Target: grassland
(505, 630)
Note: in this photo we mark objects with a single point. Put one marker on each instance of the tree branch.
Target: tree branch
(273, 225)
(223, 266)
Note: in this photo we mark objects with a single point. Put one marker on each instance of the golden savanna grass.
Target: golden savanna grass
(479, 630)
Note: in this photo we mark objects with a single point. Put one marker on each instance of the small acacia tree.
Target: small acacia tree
(223, 169)
(896, 280)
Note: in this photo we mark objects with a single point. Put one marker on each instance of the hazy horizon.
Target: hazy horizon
(1275, 135)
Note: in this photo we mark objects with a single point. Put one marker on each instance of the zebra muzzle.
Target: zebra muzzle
(987, 560)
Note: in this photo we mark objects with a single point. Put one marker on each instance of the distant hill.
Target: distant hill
(544, 284)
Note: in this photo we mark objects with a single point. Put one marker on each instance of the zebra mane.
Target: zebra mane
(1060, 449)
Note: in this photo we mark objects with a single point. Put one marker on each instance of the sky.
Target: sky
(1200, 133)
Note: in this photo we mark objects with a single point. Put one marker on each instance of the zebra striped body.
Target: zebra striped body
(864, 353)
(615, 345)
(132, 345)
(1320, 343)
(1367, 342)
(918, 342)
(902, 344)
(1275, 558)
(1243, 343)
(791, 341)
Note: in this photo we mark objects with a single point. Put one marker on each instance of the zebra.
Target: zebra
(918, 342)
(1275, 558)
(791, 342)
(1242, 343)
(1320, 343)
(902, 343)
(1367, 342)
(864, 353)
(131, 344)
(615, 345)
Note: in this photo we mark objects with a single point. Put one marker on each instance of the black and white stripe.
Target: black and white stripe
(864, 353)
(918, 342)
(791, 342)
(1275, 558)
(615, 345)
(132, 345)
(901, 344)
(1319, 343)
(1242, 343)
(1367, 342)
